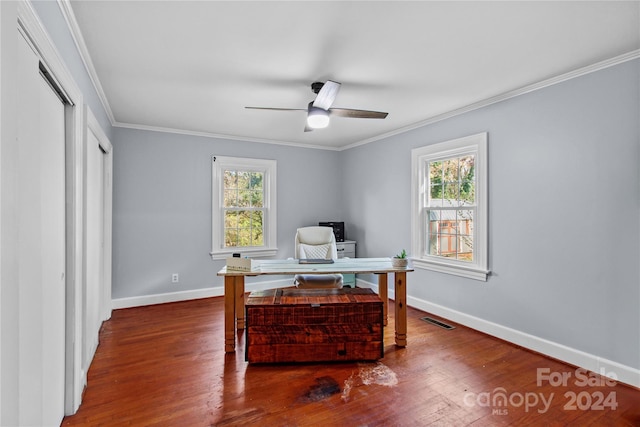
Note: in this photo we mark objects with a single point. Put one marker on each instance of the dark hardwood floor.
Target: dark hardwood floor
(165, 365)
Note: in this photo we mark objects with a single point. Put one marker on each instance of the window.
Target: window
(449, 207)
(243, 207)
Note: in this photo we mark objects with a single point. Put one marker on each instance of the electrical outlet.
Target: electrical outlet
(175, 278)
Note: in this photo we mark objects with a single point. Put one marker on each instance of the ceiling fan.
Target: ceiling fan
(319, 110)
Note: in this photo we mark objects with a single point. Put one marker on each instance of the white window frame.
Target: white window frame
(268, 168)
(420, 158)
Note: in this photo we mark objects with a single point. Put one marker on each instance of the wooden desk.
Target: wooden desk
(234, 289)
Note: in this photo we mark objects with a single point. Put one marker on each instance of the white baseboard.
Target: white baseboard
(625, 374)
(192, 294)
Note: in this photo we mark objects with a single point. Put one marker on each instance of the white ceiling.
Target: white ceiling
(193, 66)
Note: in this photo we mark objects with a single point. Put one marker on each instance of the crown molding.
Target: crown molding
(78, 39)
(629, 56)
(223, 136)
(67, 11)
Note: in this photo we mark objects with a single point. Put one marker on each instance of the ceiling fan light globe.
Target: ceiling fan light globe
(318, 119)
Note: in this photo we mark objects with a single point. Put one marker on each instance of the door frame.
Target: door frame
(93, 127)
(31, 27)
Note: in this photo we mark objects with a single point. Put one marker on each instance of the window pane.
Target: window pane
(244, 219)
(465, 252)
(447, 243)
(467, 193)
(256, 228)
(244, 228)
(435, 173)
(432, 232)
(244, 237)
(230, 198)
(465, 235)
(450, 170)
(467, 180)
(467, 168)
(465, 222)
(435, 195)
(230, 219)
(243, 189)
(257, 197)
(436, 189)
(256, 219)
(230, 237)
(230, 178)
(256, 238)
(244, 198)
(244, 180)
(451, 194)
(255, 181)
(450, 233)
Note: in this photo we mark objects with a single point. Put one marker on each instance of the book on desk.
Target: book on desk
(315, 261)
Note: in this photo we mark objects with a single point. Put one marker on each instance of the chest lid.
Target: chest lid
(313, 297)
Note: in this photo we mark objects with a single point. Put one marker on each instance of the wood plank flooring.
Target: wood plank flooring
(165, 365)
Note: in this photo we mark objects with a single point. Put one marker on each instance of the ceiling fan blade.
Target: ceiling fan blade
(276, 109)
(357, 114)
(307, 128)
(327, 95)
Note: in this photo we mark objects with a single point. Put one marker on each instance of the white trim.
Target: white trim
(76, 34)
(457, 270)
(75, 379)
(477, 145)
(216, 291)
(269, 169)
(616, 60)
(222, 136)
(144, 300)
(626, 374)
(623, 373)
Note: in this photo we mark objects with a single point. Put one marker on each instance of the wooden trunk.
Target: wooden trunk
(313, 325)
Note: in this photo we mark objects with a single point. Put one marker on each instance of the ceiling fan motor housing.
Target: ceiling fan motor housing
(316, 86)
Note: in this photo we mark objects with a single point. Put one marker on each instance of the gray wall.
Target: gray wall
(564, 199)
(162, 205)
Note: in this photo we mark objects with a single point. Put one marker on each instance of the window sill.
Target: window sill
(249, 253)
(456, 270)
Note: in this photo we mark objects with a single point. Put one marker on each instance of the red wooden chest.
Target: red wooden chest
(313, 325)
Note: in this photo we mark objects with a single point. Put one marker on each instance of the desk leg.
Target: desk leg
(383, 293)
(229, 314)
(240, 301)
(401, 308)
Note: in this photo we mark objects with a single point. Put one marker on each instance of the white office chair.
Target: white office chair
(319, 243)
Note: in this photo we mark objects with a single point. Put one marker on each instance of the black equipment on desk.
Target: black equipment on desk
(338, 229)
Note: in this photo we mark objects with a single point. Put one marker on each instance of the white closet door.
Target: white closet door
(52, 139)
(41, 210)
(95, 246)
